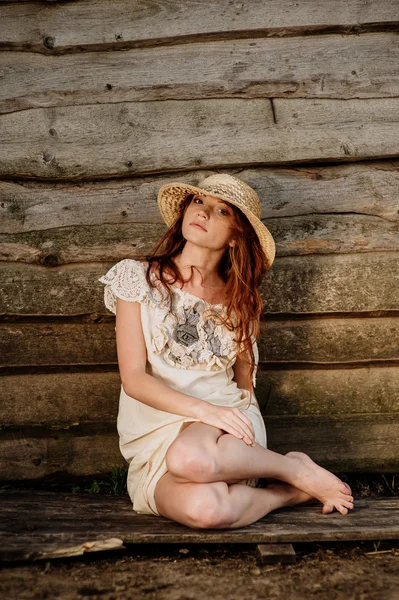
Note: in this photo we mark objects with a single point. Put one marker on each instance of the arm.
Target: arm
(132, 359)
(241, 376)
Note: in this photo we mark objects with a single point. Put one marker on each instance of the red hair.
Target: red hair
(242, 268)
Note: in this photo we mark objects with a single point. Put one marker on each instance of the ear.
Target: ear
(232, 243)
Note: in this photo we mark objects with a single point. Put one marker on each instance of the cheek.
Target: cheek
(190, 210)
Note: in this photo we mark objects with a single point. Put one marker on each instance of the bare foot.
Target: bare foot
(293, 495)
(321, 484)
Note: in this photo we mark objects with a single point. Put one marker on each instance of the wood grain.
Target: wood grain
(323, 66)
(307, 341)
(46, 525)
(298, 284)
(90, 25)
(341, 443)
(367, 188)
(294, 236)
(107, 140)
(68, 400)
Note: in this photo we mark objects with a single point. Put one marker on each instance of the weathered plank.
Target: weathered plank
(297, 284)
(82, 142)
(52, 343)
(320, 341)
(270, 554)
(44, 525)
(95, 243)
(357, 66)
(367, 188)
(294, 236)
(345, 443)
(33, 454)
(40, 524)
(335, 340)
(335, 392)
(63, 26)
(59, 399)
(68, 400)
(342, 443)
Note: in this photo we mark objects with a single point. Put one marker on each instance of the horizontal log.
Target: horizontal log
(318, 68)
(294, 236)
(367, 188)
(319, 341)
(343, 443)
(298, 284)
(82, 142)
(332, 392)
(65, 400)
(52, 343)
(60, 399)
(336, 283)
(85, 244)
(329, 341)
(68, 25)
(45, 453)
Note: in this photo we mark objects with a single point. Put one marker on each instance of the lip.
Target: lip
(195, 224)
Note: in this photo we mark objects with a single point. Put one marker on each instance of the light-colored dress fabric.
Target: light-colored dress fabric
(188, 352)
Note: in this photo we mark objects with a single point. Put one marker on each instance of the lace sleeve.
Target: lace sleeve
(125, 280)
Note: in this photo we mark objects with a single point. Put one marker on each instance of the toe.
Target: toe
(348, 488)
(327, 508)
(343, 510)
(345, 498)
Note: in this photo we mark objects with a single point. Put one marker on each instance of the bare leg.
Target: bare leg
(218, 505)
(202, 453)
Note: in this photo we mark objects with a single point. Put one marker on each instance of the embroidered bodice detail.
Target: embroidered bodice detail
(188, 337)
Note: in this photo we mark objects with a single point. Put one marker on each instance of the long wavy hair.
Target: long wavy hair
(242, 268)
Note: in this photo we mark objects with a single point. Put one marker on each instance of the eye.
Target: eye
(223, 211)
(196, 200)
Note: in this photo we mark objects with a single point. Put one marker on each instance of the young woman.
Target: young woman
(187, 321)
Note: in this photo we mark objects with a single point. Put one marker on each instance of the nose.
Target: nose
(203, 211)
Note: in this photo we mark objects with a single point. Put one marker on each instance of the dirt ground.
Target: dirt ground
(328, 571)
(323, 571)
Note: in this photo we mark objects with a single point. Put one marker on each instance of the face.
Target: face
(209, 222)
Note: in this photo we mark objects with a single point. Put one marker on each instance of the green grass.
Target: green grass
(115, 483)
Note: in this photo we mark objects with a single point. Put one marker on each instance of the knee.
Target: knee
(210, 508)
(190, 462)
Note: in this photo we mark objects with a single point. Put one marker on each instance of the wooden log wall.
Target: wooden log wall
(99, 107)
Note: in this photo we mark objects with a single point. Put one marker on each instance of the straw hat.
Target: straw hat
(228, 188)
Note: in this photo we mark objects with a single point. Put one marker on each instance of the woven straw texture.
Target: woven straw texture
(229, 189)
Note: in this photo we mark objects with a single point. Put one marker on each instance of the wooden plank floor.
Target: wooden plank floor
(40, 524)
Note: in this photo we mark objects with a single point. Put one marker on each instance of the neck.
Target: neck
(206, 262)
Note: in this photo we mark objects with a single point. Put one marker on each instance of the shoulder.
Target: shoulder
(126, 266)
(126, 280)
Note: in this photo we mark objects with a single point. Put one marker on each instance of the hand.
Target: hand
(231, 420)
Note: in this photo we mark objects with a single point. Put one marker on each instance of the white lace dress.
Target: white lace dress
(189, 353)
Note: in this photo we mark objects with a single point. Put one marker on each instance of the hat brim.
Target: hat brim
(169, 208)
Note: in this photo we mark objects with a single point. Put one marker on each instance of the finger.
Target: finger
(244, 422)
(247, 430)
(247, 421)
(229, 428)
(236, 430)
(247, 435)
